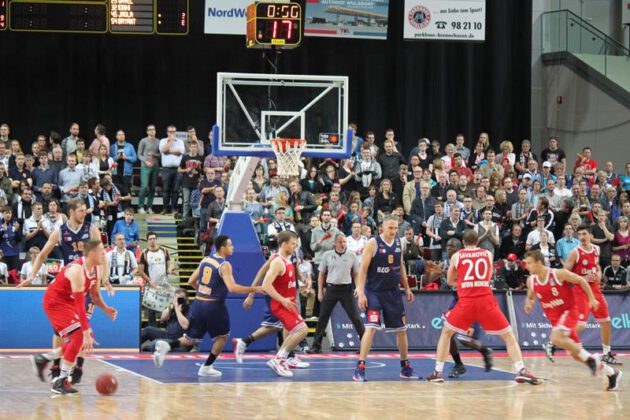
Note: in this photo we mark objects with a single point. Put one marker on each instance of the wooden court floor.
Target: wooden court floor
(570, 393)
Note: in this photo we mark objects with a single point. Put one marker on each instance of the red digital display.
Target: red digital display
(3, 15)
(274, 24)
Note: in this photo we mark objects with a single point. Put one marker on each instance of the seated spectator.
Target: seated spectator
(255, 211)
(507, 158)
(533, 238)
(514, 243)
(41, 278)
(488, 232)
(311, 183)
(302, 203)
(513, 274)
(18, 172)
(10, 237)
(23, 207)
(385, 200)
(615, 276)
(122, 262)
(282, 201)
(367, 171)
(412, 254)
(33, 228)
(451, 227)
(69, 178)
(4, 271)
(44, 174)
(547, 249)
(403, 225)
(566, 244)
(129, 229)
(603, 237)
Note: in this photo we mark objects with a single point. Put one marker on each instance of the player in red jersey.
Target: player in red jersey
(557, 298)
(64, 304)
(584, 261)
(470, 270)
(280, 284)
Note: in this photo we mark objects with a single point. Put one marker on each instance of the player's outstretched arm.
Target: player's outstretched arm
(276, 268)
(230, 283)
(566, 275)
(52, 241)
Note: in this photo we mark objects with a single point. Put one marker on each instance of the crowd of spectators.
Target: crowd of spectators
(515, 198)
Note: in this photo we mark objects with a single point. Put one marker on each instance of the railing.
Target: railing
(564, 31)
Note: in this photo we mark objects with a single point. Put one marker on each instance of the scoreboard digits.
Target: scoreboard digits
(162, 17)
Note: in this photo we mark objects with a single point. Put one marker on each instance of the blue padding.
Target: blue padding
(24, 324)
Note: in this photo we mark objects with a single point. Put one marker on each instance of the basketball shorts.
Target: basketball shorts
(484, 310)
(476, 327)
(63, 317)
(207, 317)
(385, 308)
(268, 319)
(581, 301)
(89, 309)
(291, 319)
(566, 321)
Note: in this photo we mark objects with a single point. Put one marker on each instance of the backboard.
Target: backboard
(254, 108)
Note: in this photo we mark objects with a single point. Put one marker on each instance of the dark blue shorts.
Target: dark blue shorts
(385, 308)
(207, 317)
(268, 319)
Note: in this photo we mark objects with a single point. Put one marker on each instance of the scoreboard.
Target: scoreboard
(161, 17)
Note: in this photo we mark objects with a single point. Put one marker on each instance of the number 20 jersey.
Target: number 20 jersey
(474, 271)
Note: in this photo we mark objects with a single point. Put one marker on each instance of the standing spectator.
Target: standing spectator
(624, 180)
(5, 184)
(566, 244)
(10, 237)
(452, 227)
(5, 131)
(255, 211)
(477, 157)
(271, 190)
(148, 154)
(190, 167)
(215, 209)
(125, 156)
(44, 174)
(492, 166)
(4, 156)
(338, 270)
(398, 183)
(18, 171)
(69, 144)
(367, 171)
(587, 163)
(122, 262)
(603, 237)
(33, 228)
(433, 231)
(191, 137)
(302, 203)
(129, 228)
(14, 149)
(81, 150)
(312, 183)
(172, 150)
(553, 153)
(507, 158)
(412, 189)
(488, 232)
(451, 202)
(460, 148)
(69, 178)
(23, 207)
(622, 240)
(206, 187)
(99, 140)
(615, 276)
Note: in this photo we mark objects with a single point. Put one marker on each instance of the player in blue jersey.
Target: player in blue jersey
(71, 237)
(212, 279)
(378, 291)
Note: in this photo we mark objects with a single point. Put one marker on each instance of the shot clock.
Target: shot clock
(274, 25)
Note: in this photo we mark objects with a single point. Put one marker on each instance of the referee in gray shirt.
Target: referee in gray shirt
(337, 269)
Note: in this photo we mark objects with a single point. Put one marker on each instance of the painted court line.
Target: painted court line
(120, 368)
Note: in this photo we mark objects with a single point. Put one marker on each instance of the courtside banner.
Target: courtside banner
(226, 17)
(424, 324)
(24, 325)
(533, 329)
(347, 18)
(445, 20)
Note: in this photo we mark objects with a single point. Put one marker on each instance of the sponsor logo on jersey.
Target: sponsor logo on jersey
(383, 270)
(552, 303)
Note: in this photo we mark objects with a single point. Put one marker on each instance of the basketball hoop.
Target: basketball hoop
(288, 153)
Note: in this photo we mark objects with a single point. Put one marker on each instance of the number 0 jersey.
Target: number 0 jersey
(211, 285)
(474, 271)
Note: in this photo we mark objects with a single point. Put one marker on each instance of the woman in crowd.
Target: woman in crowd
(258, 180)
(426, 159)
(476, 156)
(15, 148)
(27, 268)
(10, 237)
(312, 182)
(104, 162)
(548, 250)
(507, 157)
(282, 200)
(536, 193)
(622, 241)
(386, 200)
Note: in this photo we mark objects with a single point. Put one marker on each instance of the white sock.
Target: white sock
(605, 349)
(608, 371)
(583, 355)
(53, 354)
(282, 354)
(519, 366)
(439, 366)
(66, 369)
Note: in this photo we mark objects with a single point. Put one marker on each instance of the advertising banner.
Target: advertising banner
(226, 17)
(445, 20)
(533, 329)
(347, 18)
(424, 323)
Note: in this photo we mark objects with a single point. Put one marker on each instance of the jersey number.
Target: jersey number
(207, 275)
(554, 291)
(480, 267)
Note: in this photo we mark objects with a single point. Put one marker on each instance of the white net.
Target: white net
(288, 153)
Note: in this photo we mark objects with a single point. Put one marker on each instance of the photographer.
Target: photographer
(176, 320)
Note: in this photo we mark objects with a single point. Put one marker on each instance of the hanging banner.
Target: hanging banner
(347, 18)
(424, 324)
(533, 329)
(445, 20)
